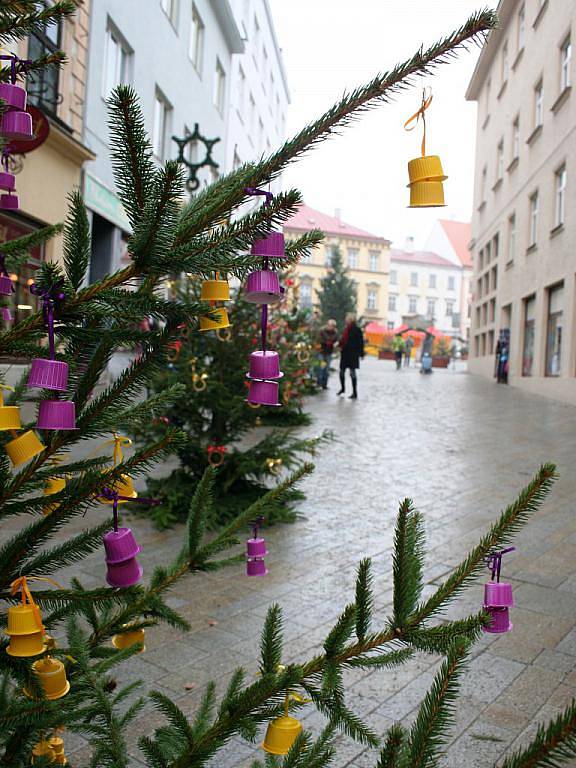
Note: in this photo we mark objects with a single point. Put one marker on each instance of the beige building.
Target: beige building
(524, 223)
(46, 175)
(367, 256)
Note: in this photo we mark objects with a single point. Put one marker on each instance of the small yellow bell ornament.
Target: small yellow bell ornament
(129, 638)
(425, 173)
(283, 731)
(43, 751)
(213, 291)
(25, 628)
(57, 745)
(23, 447)
(51, 675)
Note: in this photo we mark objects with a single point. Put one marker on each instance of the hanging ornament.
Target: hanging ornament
(302, 352)
(124, 486)
(51, 675)
(256, 551)
(258, 422)
(425, 173)
(224, 334)
(57, 745)
(9, 201)
(123, 569)
(218, 318)
(16, 122)
(174, 348)
(216, 455)
(215, 290)
(274, 466)
(6, 315)
(129, 637)
(22, 447)
(283, 731)
(43, 752)
(6, 284)
(25, 628)
(498, 596)
(198, 379)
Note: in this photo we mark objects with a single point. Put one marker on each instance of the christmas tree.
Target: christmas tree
(64, 641)
(337, 295)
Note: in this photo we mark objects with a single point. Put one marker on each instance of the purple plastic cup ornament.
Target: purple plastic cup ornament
(17, 125)
(270, 247)
(14, 96)
(499, 621)
(265, 365)
(263, 393)
(9, 202)
(263, 287)
(6, 315)
(6, 285)
(498, 596)
(49, 374)
(7, 181)
(56, 414)
(256, 552)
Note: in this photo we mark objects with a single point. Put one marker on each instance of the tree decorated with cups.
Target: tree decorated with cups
(63, 640)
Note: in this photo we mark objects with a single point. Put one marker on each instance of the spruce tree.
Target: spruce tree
(337, 295)
(169, 236)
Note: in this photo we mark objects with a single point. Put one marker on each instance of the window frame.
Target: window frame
(197, 32)
(560, 183)
(219, 89)
(538, 112)
(534, 202)
(162, 130)
(565, 63)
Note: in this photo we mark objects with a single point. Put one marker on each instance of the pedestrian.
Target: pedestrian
(328, 339)
(408, 344)
(351, 350)
(398, 345)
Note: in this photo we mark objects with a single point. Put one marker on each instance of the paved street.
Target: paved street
(461, 447)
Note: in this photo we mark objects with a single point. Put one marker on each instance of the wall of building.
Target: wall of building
(513, 261)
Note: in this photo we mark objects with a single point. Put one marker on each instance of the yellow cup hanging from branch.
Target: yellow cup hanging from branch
(425, 173)
(124, 485)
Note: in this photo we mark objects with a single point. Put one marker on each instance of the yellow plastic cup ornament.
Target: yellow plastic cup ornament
(217, 321)
(215, 290)
(283, 731)
(52, 677)
(24, 447)
(426, 174)
(9, 414)
(57, 745)
(25, 628)
(43, 751)
(129, 638)
(124, 486)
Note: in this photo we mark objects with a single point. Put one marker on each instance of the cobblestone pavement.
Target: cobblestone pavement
(461, 447)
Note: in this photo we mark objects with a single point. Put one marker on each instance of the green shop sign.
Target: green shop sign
(103, 201)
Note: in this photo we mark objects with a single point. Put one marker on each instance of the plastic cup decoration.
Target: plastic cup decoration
(43, 752)
(49, 373)
(124, 485)
(283, 731)
(215, 291)
(256, 551)
(129, 637)
(25, 628)
(51, 675)
(22, 447)
(15, 123)
(498, 596)
(425, 173)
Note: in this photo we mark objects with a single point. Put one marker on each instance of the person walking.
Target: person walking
(328, 339)
(351, 350)
(408, 344)
(398, 346)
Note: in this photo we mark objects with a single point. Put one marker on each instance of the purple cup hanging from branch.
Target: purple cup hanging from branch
(52, 373)
(256, 551)
(498, 596)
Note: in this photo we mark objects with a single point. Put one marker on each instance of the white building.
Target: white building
(524, 223)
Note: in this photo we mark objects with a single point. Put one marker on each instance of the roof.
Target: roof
(421, 257)
(307, 218)
(459, 233)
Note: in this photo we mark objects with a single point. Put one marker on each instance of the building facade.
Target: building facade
(524, 222)
(47, 174)
(424, 284)
(367, 257)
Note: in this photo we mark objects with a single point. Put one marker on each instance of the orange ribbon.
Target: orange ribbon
(21, 584)
(426, 101)
(117, 441)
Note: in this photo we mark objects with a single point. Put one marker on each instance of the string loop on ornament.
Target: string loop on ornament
(420, 114)
(21, 585)
(49, 297)
(494, 562)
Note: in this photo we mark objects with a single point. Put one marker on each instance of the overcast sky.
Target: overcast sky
(333, 45)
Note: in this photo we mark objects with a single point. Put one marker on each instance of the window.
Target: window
(328, 254)
(170, 8)
(241, 90)
(432, 281)
(115, 63)
(219, 86)
(560, 179)
(413, 278)
(511, 238)
(353, 257)
(43, 84)
(431, 308)
(392, 302)
(534, 219)
(305, 295)
(516, 138)
(393, 277)
(451, 283)
(500, 160)
(495, 246)
(161, 126)
(505, 62)
(521, 28)
(529, 332)
(483, 183)
(372, 299)
(449, 308)
(196, 43)
(538, 104)
(412, 303)
(554, 331)
(565, 63)
(374, 261)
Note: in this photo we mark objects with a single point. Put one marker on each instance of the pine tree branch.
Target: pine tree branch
(553, 746)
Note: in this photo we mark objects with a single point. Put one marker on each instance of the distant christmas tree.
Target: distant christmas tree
(337, 295)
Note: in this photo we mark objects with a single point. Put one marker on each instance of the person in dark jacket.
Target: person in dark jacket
(351, 350)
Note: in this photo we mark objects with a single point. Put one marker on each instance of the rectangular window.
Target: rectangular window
(516, 138)
(529, 332)
(393, 277)
(431, 281)
(565, 63)
(431, 308)
(533, 219)
(511, 239)
(170, 8)
(219, 86)
(372, 299)
(560, 208)
(538, 104)
(521, 28)
(115, 63)
(196, 42)
(412, 303)
(305, 295)
(495, 246)
(392, 302)
(161, 126)
(353, 257)
(449, 308)
(451, 283)
(494, 278)
(500, 159)
(505, 62)
(413, 279)
(328, 253)
(44, 94)
(554, 331)
(374, 261)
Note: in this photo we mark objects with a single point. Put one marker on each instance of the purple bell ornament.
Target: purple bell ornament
(123, 569)
(256, 552)
(498, 596)
(56, 414)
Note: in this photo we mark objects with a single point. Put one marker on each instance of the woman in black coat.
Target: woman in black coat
(351, 350)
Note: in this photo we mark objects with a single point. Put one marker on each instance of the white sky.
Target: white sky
(333, 45)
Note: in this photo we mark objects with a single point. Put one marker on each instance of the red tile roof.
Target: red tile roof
(459, 233)
(307, 218)
(421, 257)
